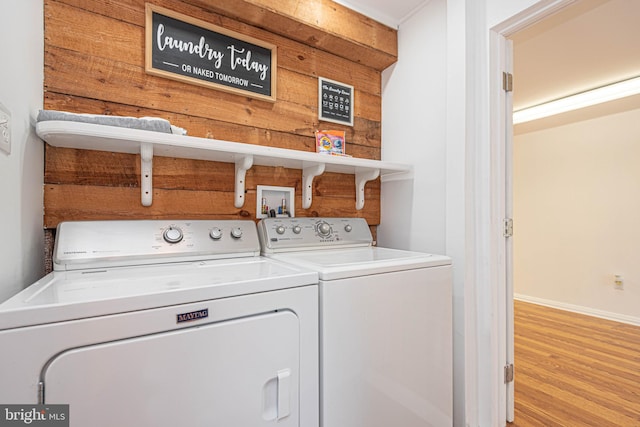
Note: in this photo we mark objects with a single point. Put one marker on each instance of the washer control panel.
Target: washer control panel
(291, 234)
(80, 244)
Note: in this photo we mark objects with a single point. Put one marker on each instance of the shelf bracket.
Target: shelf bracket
(146, 173)
(309, 171)
(363, 175)
(243, 164)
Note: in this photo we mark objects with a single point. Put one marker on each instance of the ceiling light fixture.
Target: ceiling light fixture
(581, 100)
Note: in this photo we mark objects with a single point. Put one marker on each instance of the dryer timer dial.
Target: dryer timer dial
(172, 235)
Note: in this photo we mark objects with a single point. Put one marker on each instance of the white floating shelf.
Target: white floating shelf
(87, 136)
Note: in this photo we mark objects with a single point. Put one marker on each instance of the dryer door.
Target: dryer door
(242, 372)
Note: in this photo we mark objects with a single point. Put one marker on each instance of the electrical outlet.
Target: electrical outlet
(5, 129)
(618, 282)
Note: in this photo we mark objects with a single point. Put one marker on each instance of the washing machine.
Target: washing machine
(385, 323)
(165, 323)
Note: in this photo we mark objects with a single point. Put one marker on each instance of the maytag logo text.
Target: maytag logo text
(193, 315)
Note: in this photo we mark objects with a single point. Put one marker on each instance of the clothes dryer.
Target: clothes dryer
(165, 323)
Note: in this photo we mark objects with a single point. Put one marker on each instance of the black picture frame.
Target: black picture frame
(192, 51)
(335, 101)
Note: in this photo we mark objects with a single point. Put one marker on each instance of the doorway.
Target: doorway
(575, 165)
(533, 25)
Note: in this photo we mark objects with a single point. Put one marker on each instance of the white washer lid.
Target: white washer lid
(68, 295)
(343, 263)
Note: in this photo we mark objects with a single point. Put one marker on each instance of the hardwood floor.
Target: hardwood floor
(574, 370)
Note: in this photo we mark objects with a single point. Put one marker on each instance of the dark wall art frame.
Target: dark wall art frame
(335, 101)
(192, 51)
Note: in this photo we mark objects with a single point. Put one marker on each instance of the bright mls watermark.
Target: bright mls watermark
(34, 415)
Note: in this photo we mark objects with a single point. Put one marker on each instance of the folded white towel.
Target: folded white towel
(178, 130)
(155, 124)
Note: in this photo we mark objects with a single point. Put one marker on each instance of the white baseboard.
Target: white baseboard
(580, 309)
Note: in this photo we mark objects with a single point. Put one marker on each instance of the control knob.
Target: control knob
(348, 228)
(215, 233)
(280, 229)
(297, 229)
(172, 235)
(324, 229)
(236, 232)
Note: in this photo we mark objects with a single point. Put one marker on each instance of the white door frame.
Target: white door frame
(501, 135)
(508, 241)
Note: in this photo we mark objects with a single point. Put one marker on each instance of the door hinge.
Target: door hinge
(508, 373)
(508, 227)
(507, 82)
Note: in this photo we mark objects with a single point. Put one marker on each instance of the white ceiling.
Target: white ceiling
(588, 44)
(584, 46)
(389, 12)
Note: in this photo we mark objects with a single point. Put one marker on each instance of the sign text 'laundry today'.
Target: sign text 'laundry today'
(193, 51)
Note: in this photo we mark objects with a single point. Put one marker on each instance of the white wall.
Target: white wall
(414, 132)
(21, 172)
(576, 205)
(446, 135)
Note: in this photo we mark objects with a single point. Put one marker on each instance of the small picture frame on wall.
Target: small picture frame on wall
(335, 101)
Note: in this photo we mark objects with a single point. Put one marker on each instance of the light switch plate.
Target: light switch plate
(5, 129)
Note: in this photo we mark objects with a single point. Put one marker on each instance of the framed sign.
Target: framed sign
(335, 101)
(186, 49)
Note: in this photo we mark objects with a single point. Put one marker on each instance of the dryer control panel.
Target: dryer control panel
(296, 234)
(95, 244)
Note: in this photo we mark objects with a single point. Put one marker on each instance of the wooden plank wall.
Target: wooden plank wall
(94, 63)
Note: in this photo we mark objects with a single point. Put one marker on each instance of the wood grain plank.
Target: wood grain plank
(94, 63)
(321, 23)
(65, 202)
(76, 74)
(359, 145)
(355, 37)
(101, 168)
(574, 370)
(98, 22)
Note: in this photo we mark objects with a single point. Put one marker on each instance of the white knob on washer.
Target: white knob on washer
(172, 235)
(297, 229)
(280, 229)
(215, 233)
(348, 228)
(324, 229)
(236, 232)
